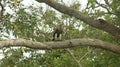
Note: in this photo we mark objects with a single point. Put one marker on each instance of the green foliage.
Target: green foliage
(37, 23)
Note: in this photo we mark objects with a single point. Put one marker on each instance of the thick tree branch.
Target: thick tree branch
(115, 31)
(62, 44)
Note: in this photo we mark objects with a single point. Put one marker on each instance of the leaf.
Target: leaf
(15, 2)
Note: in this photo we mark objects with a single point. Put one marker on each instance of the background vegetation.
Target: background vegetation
(36, 22)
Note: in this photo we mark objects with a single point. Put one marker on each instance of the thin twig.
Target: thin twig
(84, 55)
(72, 55)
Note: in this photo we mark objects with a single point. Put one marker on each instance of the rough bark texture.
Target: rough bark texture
(115, 31)
(62, 44)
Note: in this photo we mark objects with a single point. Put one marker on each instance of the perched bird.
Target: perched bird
(57, 33)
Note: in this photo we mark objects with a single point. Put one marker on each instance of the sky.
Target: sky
(29, 2)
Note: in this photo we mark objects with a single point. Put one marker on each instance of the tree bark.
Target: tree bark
(112, 29)
(62, 44)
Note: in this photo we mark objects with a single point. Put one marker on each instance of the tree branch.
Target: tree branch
(84, 55)
(1, 12)
(105, 6)
(112, 29)
(72, 55)
(62, 44)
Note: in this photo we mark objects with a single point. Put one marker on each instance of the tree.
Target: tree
(35, 25)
